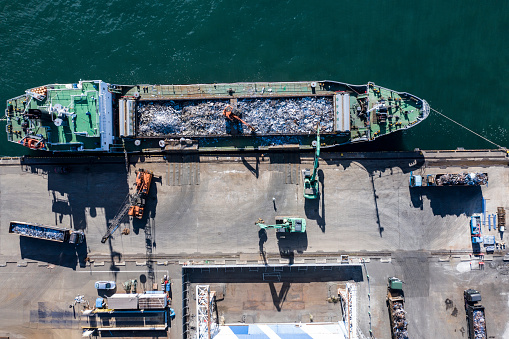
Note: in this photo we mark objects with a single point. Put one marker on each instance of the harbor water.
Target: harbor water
(454, 56)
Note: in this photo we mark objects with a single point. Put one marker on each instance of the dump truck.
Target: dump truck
(475, 315)
(52, 233)
(501, 219)
(448, 179)
(397, 313)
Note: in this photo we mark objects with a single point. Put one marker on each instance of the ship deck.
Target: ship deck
(403, 109)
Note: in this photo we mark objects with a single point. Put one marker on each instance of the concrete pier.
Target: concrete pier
(202, 209)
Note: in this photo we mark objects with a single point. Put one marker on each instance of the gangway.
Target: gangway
(348, 296)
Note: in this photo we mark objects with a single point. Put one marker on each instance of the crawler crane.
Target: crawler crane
(134, 204)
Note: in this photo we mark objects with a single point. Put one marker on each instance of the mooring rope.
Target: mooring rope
(468, 129)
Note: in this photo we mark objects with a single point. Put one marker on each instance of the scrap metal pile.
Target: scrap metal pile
(37, 232)
(474, 179)
(479, 325)
(269, 116)
(400, 324)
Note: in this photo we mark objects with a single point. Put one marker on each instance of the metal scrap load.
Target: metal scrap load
(400, 324)
(269, 116)
(479, 325)
(473, 179)
(37, 232)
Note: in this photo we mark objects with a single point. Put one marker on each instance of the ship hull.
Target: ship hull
(94, 116)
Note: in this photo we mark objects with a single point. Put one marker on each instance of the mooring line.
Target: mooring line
(468, 129)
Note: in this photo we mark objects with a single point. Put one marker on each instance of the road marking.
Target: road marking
(144, 271)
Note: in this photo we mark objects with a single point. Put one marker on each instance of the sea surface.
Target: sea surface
(454, 54)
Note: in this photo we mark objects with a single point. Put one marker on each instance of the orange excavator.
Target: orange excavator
(231, 114)
(134, 204)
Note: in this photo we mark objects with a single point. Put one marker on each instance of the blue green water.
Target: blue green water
(453, 54)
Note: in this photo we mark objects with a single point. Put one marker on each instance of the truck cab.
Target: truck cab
(76, 237)
(415, 180)
(471, 296)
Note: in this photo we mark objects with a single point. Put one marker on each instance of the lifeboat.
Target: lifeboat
(33, 143)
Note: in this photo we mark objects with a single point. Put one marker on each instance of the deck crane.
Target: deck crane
(311, 184)
(134, 204)
(232, 114)
(285, 224)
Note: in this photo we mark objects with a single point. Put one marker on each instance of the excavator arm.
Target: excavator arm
(317, 155)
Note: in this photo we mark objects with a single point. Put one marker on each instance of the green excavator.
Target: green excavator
(311, 184)
(285, 224)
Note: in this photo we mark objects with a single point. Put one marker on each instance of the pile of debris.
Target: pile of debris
(34, 231)
(400, 324)
(288, 116)
(203, 117)
(479, 325)
(269, 116)
(473, 179)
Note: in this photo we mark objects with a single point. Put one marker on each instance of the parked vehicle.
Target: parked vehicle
(105, 285)
(475, 315)
(53, 233)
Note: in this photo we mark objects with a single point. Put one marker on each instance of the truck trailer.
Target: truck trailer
(448, 179)
(397, 313)
(475, 315)
(52, 233)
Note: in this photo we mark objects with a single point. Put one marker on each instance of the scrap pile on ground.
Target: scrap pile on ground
(479, 325)
(400, 324)
(33, 231)
(269, 116)
(462, 179)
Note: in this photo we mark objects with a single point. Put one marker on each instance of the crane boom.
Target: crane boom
(115, 223)
(311, 186)
(317, 155)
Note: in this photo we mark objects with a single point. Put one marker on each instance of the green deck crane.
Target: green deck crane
(285, 224)
(311, 184)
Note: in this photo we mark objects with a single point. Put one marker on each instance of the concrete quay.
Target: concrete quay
(202, 209)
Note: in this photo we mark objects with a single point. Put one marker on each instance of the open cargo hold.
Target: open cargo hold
(269, 116)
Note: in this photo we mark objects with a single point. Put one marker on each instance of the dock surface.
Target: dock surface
(202, 210)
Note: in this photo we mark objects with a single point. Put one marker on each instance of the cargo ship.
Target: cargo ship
(95, 116)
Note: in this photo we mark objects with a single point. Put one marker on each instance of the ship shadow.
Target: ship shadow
(53, 253)
(375, 163)
(291, 242)
(136, 333)
(90, 187)
(450, 200)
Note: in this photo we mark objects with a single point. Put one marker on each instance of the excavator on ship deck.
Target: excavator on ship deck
(233, 114)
